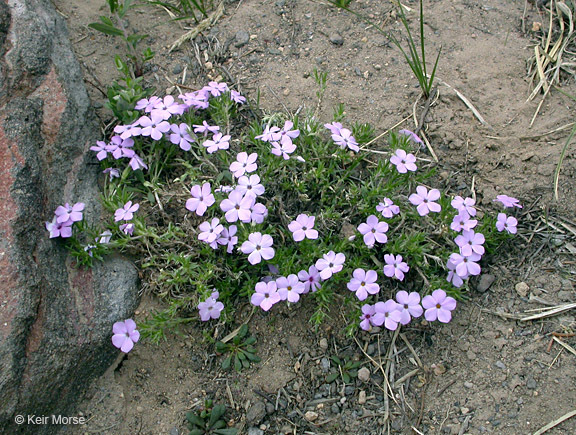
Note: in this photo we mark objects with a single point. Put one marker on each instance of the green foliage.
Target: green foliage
(116, 26)
(187, 9)
(241, 352)
(209, 420)
(345, 369)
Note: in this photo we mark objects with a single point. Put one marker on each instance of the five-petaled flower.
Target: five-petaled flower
(67, 212)
(395, 267)
(507, 223)
(363, 283)
(180, 136)
(202, 198)
(367, 317)
(210, 308)
(126, 213)
(244, 163)
(218, 142)
(303, 227)
(438, 306)
(237, 206)
(373, 231)
(250, 185)
(266, 295)
(387, 208)
(344, 139)
(210, 231)
(508, 201)
(290, 288)
(465, 265)
(330, 264)
(404, 162)
(467, 204)
(408, 305)
(310, 278)
(424, 200)
(470, 243)
(387, 314)
(258, 246)
(125, 335)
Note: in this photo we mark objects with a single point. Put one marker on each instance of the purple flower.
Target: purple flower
(453, 277)
(129, 130)
(462, 222)
(373, 231)
(180, 136)
(330, 264)
(266, 295)
(244, 163)
(259, 247)
(210, 308)
(126, 213)
(289, 288)
(387, 208)
(147, 104)
(334, 127)
(237, 97)
(237, 206)
(283, 149)
(250, 185)
(205, 128)
(104, 237)
(344, 139)
(216, 88)
(424, 200)
(364, 283)
(286, 135)
(167, 107)
(155, 126)
(387, 314)
(403, 162)
(198, 99)
(125, 335)
(438, 306)
(259, 213)
(127, 228)
(59, 229)
(508, 201)
(210, 231)
(121, 147)
(270, 134)
(408, 305)
(412, 136)
(202, 198)
(310, 279)
(65, 213)
(395, 267)
(367, 317)
(507, 223)
(470, 243)
(467, 204)
(112, 173)
(302, 228)
(218, 142)
(228, 238)
(137, 163)
(102, 149)
(465, 265)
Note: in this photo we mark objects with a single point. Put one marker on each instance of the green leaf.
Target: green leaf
(217, 412)
(106, 20)
(331, 377)
(245, 363)
(221, 347)
(237, 364)
(243, 331)
(193, 418)
(241, 355)
(250, 340)
(220, 424)
(346, 377)
(253, 358)
(106, 29)
(197, 432)
(229, 431)
(226, 363)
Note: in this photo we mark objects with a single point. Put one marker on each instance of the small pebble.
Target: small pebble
(139, 409)
(311, 416)
(177, 69)
(362, 397)
(468, 384)
(336, 38)
(323, 344)
(522, 289)
(286, 92)
(485, 282)
(364, 374)
(335, 408)
(500, 365)
(325, 363)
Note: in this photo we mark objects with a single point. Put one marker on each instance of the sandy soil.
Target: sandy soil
(483, 372)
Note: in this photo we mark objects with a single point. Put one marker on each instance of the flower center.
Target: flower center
(258, 247)
(438, 306)
(405, 306)
(362, 284)
(289, 288)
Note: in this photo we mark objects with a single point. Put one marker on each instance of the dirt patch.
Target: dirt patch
(481, 373)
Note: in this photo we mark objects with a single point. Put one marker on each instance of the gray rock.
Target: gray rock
(364, 374)
(500, 365)
(255, 431)
(485, 282)
(336, 38)
(177, 69)
(56, 318)
(531, 383)
(241, 38)
(256, 413)
(325, 364)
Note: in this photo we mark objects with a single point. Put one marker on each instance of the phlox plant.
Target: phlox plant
(219, 211)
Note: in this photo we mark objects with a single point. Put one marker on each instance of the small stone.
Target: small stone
(362, 397)
(377, 67)
(336, 38)
(311, 416)
(531, 383)
(468, 385)
(522, 289)
(286, 92)
(500, 365)
(364, 374)
(139, 409)
(485, 282)
(464, 410)
(325, 363)
(209, 65)
(323, 344)
(269, 408)
(274, 51)
(255, 431)
(174, 431)
(256, 413)
(335, 408)
(177, 69)
(349, 390)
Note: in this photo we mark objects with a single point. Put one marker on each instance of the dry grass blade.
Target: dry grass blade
(565, 346)
(203, 25)
(555, 422)
(551, 312)
(467, 102)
